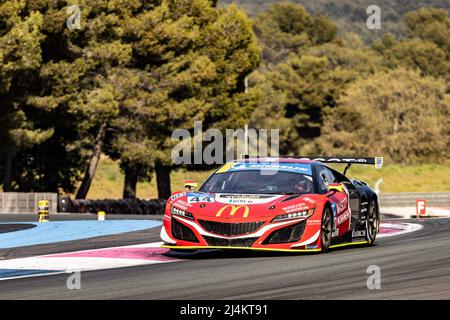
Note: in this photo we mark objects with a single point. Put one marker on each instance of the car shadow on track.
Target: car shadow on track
(239, 253)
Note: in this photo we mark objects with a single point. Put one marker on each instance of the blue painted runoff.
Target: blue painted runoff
(58, 231)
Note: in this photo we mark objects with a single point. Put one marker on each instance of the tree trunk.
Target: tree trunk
(163, 180)
(92, 169)
(7, 175)
(129, 187)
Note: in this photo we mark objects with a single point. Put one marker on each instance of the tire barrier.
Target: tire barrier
(22, 202)
(125, 206)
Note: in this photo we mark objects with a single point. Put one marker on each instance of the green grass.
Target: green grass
(399, 178)
(108, 182)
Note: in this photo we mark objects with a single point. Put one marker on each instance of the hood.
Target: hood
(240, 207)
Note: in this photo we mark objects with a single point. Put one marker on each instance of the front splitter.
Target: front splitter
(236, 248)
(260, 249)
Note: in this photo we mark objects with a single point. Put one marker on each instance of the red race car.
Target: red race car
(278, 204)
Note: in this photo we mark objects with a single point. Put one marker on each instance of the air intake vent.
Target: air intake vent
(291, 197)
(219, 242)
(182, 232)
(292, 233)
(230, 229)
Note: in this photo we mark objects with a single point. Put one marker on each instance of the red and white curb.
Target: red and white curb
(88, 260)
(397, 228)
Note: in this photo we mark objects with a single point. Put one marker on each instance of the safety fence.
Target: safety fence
(17, 202)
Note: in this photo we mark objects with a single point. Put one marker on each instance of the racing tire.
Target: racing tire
(372, 222)
(326, 230)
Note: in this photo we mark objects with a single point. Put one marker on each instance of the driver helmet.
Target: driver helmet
(303, 185)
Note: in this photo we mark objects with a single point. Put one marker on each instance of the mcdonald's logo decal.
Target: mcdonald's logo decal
(233, 210)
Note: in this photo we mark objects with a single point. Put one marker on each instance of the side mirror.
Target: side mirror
(337, 187)
(189, 184)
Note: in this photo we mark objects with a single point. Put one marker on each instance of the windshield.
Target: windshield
(253, 181)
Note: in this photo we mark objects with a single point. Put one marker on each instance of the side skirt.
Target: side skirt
(356, 236)
(345, 244)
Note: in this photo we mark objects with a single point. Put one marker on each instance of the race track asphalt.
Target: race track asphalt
(413, 266)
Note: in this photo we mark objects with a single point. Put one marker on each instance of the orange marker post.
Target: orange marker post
(421, 208)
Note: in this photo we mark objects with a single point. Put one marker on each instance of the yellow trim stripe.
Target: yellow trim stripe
(347, 244)
(225, 167)
(240, 248)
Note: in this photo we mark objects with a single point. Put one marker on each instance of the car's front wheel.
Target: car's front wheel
(326, 230)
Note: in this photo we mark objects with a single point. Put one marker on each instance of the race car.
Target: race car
(274, 204)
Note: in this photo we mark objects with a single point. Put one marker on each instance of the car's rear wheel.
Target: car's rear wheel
(373, 221)
(326, 230)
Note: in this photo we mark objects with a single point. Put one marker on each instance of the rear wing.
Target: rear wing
(377, 161)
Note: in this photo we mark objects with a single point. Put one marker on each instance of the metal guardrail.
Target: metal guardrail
(408, 199)
(17, 202)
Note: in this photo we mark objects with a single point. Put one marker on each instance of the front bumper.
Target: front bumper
(298, 235)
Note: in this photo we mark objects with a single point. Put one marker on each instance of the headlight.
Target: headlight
(295, 215)
(182, 213)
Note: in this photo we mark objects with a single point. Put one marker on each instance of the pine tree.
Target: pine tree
(20, 59)
(189, 63)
